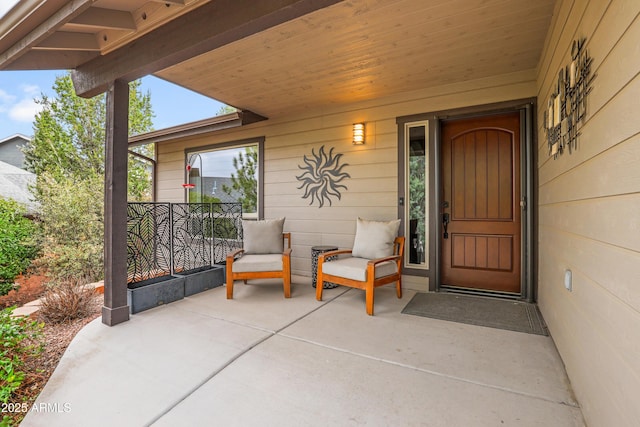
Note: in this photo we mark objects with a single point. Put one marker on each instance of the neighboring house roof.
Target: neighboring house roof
(14, 184)
(15, 136)
(212, 186)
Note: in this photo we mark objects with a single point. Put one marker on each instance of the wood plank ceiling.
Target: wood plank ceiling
(350, 51)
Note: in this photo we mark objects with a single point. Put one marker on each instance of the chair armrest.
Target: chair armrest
(385, 259)
(323, 255)
(287, 252)
(232, 255)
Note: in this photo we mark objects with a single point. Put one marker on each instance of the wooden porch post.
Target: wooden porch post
(115, 309)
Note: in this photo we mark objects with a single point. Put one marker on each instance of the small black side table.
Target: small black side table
(315, 253)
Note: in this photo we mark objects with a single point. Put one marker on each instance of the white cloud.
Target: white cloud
(32, 90)
(24, 111)
(5, 97)
(5, 101)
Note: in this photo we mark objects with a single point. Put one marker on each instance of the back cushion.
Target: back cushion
(374, 239)
(263, 237)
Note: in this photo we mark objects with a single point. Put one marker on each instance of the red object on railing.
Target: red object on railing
(189, 185)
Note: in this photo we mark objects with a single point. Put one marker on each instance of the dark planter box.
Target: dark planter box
(202, 279)
(154, 292)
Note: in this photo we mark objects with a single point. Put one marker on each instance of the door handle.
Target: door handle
(445, 224)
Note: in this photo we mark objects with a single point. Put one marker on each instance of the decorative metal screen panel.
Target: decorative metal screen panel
(227, 229)
(191, 223)
(148, 241)
(170, 238)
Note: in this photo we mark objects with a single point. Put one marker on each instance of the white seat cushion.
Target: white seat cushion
(267, 262)
(356, 268)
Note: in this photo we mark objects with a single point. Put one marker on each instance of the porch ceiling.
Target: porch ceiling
(349, 51)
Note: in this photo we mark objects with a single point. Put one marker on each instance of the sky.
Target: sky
(171, 104)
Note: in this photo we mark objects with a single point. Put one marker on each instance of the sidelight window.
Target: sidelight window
(416, 191)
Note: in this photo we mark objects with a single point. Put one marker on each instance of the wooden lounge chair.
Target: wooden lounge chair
(375, 260)
(264, 255)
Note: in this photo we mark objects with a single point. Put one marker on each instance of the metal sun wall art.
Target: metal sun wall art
(567, 105)
(322, 176)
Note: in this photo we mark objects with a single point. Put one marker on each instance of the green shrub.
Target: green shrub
(18, 245)
(21, 337)
(72, 226)
(6, 287)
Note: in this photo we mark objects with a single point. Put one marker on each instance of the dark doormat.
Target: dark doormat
(482, 311)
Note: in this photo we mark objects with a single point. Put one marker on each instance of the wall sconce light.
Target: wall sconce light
(358, 133)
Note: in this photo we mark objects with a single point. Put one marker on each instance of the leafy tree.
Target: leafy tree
(69, 135)
(417, 190)
(67, 154)
(195, 197)
(245, 179)
(140, 121)
(139, 186)
(226, 109)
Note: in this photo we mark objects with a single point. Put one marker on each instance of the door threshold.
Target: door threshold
(479, 292)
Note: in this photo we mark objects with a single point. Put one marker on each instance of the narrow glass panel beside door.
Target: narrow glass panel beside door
(416, 150)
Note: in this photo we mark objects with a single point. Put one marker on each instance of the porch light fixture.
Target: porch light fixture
(358, 134)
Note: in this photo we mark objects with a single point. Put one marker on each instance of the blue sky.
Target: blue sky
(172, 105)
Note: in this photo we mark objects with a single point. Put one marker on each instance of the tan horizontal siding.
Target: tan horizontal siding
(372, 189)
(589, 212)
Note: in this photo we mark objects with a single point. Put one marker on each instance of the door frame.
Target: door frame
(528, 155)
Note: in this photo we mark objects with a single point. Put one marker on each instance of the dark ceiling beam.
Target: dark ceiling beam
(201, 30)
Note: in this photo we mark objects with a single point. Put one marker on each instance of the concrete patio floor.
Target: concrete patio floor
(263, 360)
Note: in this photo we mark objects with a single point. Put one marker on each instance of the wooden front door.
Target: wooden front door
(481, 203)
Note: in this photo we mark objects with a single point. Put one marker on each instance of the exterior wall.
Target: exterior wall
(589, 213)
(373, 187)
(10, 151)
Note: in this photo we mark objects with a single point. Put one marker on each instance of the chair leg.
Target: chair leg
(229, 283)
(369, 298)
(399, 288)
(286, 275)
(319, 281)
(229, 289)
(287, 285)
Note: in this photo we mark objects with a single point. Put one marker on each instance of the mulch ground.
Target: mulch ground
(31, 287)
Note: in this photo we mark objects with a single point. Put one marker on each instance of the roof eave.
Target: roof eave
(212, 124)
